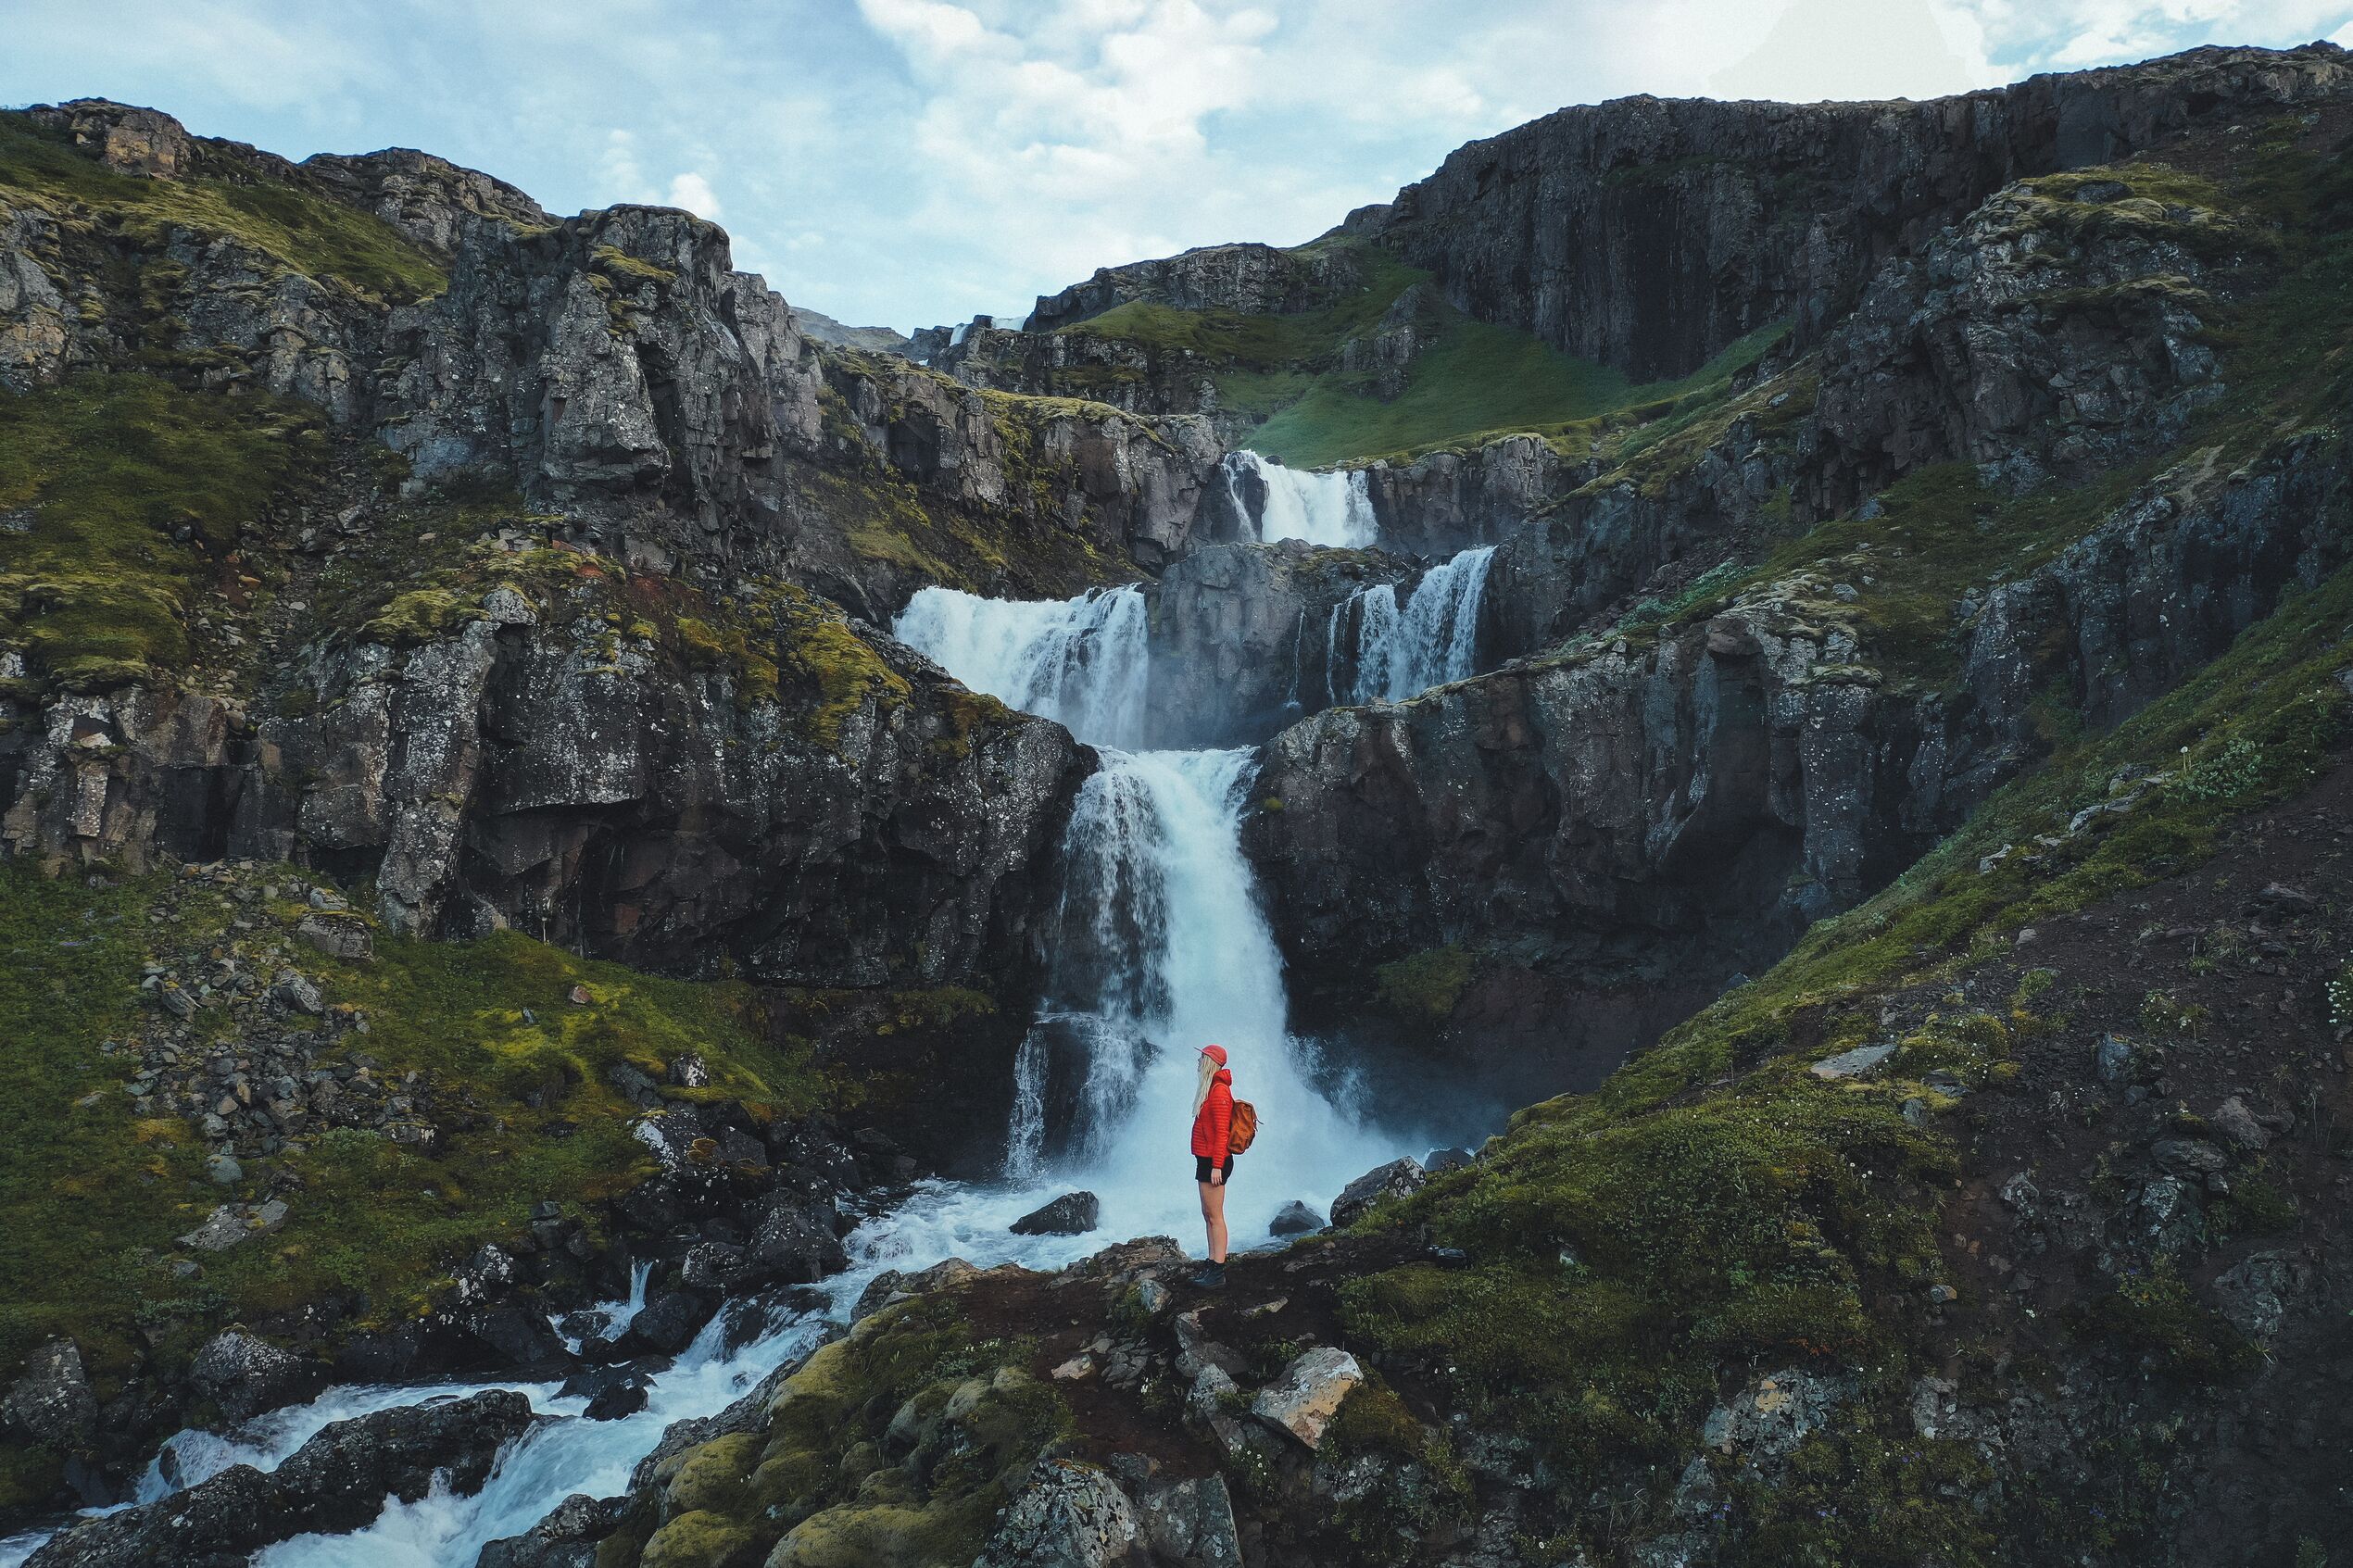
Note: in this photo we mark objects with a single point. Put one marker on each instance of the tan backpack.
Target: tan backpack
(1243, 1127)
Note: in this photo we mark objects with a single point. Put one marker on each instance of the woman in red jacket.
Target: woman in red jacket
(1213, 1155)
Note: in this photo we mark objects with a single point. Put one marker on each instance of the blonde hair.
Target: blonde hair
(1209, 1065)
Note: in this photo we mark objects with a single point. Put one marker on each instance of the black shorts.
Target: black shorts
(1201, 1167)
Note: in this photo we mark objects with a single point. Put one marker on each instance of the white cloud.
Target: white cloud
(692, 191)
(915, 160)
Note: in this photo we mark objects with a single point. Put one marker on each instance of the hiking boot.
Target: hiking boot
(1212, 1277)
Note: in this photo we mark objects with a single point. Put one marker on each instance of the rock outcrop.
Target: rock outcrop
(1240, 642)
(1253, 279)
(1643, 822)
(1650, 234)
(337, 1482)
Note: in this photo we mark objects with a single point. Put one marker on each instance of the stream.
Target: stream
(1160, 948)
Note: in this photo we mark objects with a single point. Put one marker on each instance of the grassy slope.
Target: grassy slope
(92, 1191)
(1479, 381)
(135, 499)
(1473, 380)
(306, 231)
(1716, 1203)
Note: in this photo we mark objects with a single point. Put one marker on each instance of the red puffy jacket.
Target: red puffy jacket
(1214, 1123)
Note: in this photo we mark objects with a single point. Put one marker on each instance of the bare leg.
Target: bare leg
(1212, 1212)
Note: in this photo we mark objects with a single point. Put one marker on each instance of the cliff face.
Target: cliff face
(612, 367)
(652, 775)
(1650, 235)
(1254, 280)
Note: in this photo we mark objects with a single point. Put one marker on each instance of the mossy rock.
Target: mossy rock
(703, 1541)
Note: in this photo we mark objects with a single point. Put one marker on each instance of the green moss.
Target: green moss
(628, 270)
(2153, 1316)
(1624, 1257)
(701, 1540)
(1427, 984)
(895, 1446)
(137, 497)
(91, 1194)
(296, 224)
(1479, 381)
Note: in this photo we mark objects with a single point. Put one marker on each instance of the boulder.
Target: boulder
(891, 1286)
(53, 1401)
(1303, 1401)
(2237, 1123)
(2114, 1059)
(1438, 1159)
(795, 1244)
(2256, 1292)
(1767, 1419)
(1853, 1064)
(1395, 1179)
(336, 1483)
(2188, 1157)
(668, 1323)
(246, 1374)
(1295, 1219)
(1074, 1213)
(568, 1538)
(1066, 1515)
(1192, 1523)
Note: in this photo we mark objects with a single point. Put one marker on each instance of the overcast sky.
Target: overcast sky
(906, 162)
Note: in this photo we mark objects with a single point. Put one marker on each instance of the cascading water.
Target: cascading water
(1322, 508)
(1079, 661)
(1390, 654)
(1161, 947)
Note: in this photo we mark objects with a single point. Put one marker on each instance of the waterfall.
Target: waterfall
(1081, 661)
(1158, 946)
(1322, 508)
(1396, 655)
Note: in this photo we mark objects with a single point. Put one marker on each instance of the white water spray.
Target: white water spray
(1162, 948)
(1389, 655)
(1079, 661)
(1332, 509)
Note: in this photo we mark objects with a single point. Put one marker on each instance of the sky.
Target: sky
(913, 162)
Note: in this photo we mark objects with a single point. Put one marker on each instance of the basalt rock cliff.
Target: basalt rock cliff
(470, 832)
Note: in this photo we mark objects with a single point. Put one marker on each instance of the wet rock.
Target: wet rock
(891, 1286)
(1295, 1219)
(1074, 1213)
(568, 1538)
(624, 1398)
(669, 1323)
(490, 1271)
(1438, 1159)
(1303, 1401)
(336, 1483)
(246, 1374)
(795, 1244)
(53, 1401)
(1067, 1514)
(1396, 1179)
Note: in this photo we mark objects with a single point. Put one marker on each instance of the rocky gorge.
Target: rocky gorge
(606, 878)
